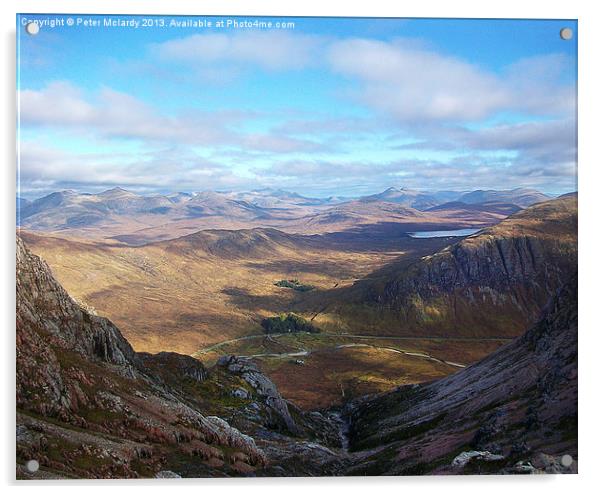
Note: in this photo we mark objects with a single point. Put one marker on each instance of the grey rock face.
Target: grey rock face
(240, 393)
(493, 262)
(263, 386)
(44, 302)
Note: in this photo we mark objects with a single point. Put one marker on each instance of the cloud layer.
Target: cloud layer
(113, 114)
(417, 117)
(416, 85)
(271, 50)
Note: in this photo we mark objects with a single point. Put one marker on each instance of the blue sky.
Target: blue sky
(329, 107)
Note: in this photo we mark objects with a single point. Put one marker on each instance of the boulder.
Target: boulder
(167, 474)
(465, 457)
(240, 393)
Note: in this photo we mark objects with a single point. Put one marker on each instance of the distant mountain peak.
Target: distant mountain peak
(520, 196)
(397, 189)
(116, 191)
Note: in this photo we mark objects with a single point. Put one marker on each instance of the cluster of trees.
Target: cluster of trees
(295, 285)
(288, 323)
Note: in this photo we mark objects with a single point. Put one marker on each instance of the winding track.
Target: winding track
(215, 346)
(304, 353)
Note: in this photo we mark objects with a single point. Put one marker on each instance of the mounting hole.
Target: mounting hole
(32, 466)
(566, 461)
(566, 33)
(32, 28)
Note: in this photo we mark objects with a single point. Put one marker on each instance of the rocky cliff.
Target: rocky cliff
(51, 328)
(490, 284)
(513, 412)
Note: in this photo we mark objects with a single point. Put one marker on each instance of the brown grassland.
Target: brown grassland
(187, 294)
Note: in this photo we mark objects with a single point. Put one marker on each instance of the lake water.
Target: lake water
(444, 233)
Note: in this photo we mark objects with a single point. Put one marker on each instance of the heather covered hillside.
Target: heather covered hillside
(492, 283)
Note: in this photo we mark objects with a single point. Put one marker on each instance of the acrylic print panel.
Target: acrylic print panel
(295, 246)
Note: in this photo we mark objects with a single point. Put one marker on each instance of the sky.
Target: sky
(318, 106)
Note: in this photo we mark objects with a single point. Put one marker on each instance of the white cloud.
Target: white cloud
(113, 114)
(401, 78)
(417, 85)
(271, 50)
(60, 103)
(545, 145)
(463, 172)
(537, 85)
(341, 126)
(44, 169)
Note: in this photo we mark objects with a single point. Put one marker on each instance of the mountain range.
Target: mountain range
(425, 200)
(458, 297)
(137, 219)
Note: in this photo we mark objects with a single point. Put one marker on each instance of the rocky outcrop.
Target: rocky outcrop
(517, 404)
(493, 283)
(465, 457)
(173, 367)
(265, 388)
(236, 439)
(43, 304)
(50, 326)
(167, 474)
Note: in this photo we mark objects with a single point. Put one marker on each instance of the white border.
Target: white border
(590, 239)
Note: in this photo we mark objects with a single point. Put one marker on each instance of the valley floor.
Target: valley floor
(206, 294)
(324, 370)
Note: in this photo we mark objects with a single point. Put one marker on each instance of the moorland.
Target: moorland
(201, 273)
